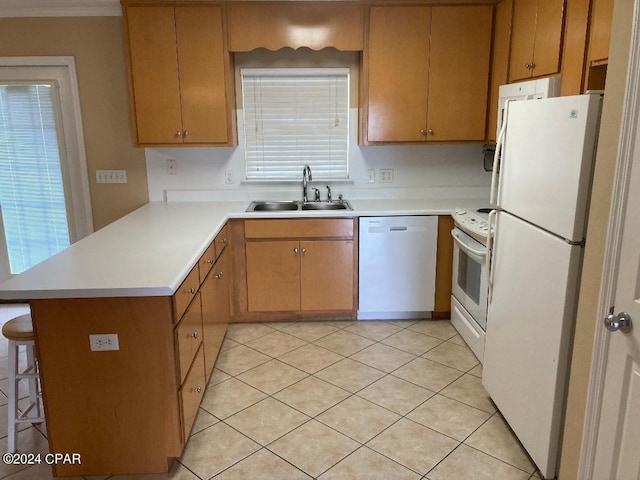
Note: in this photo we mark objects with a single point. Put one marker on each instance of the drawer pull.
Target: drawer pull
(191, 291)
(194, 335)
(218, 275)
(210, 261)
(198, 389)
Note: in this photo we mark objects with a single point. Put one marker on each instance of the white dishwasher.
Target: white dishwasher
(397, 267)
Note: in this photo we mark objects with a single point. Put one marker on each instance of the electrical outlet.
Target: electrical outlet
(111, 176)
(386, 175)
(228, 177)
(104, 342)
(371, 176)
(171, 166)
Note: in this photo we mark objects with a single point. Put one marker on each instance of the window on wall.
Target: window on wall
(295, 117)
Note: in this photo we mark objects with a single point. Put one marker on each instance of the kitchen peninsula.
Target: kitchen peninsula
(151, 278)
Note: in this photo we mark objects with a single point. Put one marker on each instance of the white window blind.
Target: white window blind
(31, 190)
(295, 117)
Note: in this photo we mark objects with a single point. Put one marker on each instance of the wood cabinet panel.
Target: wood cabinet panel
(222, 240)
(216, 310)
(186, 292)
(398, 78)
(206, 262)
(189, 336)
(459, 73)
(444, 266)
(281, 25)
(299, 228)
(536, 39)
(600, 30)
(203, 76)
(326, 279)
(273, 276)
(154, 73)
(191, 394)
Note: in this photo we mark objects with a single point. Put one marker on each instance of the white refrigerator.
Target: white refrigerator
(541, 210)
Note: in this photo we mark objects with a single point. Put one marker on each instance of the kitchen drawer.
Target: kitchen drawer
(189, 336)
(222, 240)
(299, 228)
(191, 394)
(206, 261)
(185, 293)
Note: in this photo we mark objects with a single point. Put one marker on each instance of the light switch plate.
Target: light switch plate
(371, 176)
(111, 176)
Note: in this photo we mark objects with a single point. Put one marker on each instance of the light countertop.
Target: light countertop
(151, 251)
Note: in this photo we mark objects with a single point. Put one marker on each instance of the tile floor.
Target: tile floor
(334, 400)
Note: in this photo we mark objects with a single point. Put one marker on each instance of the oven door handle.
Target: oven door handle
(478, 255)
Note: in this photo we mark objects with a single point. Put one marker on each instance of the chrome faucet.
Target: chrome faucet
(306, 177)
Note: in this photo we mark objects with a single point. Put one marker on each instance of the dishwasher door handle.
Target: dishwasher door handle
(397, 229)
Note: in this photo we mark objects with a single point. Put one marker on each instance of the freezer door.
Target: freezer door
(529, 329)
(545, 174)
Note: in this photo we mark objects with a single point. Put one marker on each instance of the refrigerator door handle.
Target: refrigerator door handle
(490, 241)
(497, 158)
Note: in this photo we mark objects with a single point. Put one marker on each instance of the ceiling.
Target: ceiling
(59, 8)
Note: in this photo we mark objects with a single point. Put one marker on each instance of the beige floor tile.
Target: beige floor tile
(312, 396)
(240, 359)
(350, 375)
(412, 342)
(427, 374)
(344, 343)
(441, 329)
(383, 357)
(203, 420)
(458, 340)
(365, 464)
(272, 376)
(267, 420)
(454, 356)
(4, 420)
(496, 439)
(395, 394)
(310, 331)
(245, 332)
(213, 450)
(217, 376)
(402, 323)
(310, 358)
(476, 371)
(228, 344)
(448, 416)
(358, 418)
(262, 465)
(276, 343)
(313, 447)
(280, 325)
(341, 323)
(29, 441)
(230, 397)
(373, 329)
(468, 389)
(177, 472)
(413, 445)
(466, 462)
(44, 472)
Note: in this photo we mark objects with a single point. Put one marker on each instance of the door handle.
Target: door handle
(621, 321)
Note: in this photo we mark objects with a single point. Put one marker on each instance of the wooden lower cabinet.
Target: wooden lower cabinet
(192, 392)
(297, 269)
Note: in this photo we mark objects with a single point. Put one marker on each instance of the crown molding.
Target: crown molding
(60, 8)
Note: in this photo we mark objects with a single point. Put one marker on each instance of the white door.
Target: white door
(618, 442)
(529, 325)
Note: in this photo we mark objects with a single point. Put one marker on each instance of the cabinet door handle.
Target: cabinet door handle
(430, 131)
(198, 389)
(218, 275)
(304, 250)
(223, 241)
(178, 133)
(423, 132)
(210, 261)
(194, 335)
(185, 133)
(295, 250)
(191, 291)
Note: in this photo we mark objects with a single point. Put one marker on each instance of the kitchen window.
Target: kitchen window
(295, 117)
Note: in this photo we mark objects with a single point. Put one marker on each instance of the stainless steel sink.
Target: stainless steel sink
(284, 206)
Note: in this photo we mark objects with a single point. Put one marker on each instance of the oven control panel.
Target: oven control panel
(473, 222)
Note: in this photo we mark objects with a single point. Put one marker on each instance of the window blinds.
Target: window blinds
(31, 190)
(295, 117)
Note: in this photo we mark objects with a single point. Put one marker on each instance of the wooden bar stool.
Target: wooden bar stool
(19, 332)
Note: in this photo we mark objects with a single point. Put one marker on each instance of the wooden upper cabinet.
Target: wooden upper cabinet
(281, 25)
(536, 39)
(398, 80)
(428, 70)
(179, 75)
(459, 73)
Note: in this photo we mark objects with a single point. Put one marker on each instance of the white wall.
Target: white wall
(419, 171)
